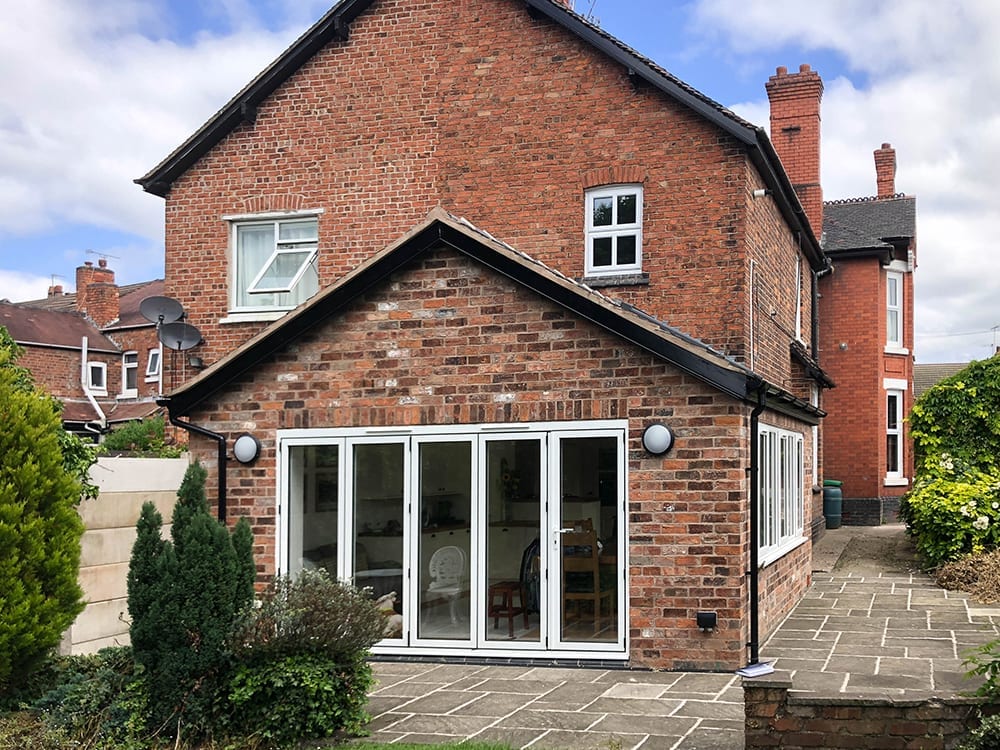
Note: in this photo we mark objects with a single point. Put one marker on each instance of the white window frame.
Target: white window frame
(895, 389)
(614, 230)
(268, 308)
(894, 333)
(798, 298)
(154, 361)
(99, 385)
(132, 365)
(781, 492)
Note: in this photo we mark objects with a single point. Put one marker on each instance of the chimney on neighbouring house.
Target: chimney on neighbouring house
(56, 290)
(885, 170)
(565, 3)
(97, 293)
(795, 133)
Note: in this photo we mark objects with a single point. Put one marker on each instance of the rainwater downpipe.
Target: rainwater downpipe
(754, 573)
(219, 439)
(816, 276)
(102, 420)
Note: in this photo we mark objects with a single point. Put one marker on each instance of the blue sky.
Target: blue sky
(112, 86)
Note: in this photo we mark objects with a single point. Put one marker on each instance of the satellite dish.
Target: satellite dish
(179, 336)
(161, 309)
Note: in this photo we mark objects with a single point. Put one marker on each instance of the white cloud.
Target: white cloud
(18, 286)
(928, 77)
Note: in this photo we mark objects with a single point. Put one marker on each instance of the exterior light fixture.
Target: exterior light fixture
(657, 439)
(246, 448)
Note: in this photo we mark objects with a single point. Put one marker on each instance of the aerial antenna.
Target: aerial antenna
(105, 256)
(589, 15)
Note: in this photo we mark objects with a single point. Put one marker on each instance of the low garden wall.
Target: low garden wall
(776, 717)
(125, 484)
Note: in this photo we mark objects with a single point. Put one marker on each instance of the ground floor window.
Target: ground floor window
(486, 538)
(780, 489)
(894, 435)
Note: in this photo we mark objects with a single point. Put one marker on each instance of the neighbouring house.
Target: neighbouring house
(505, 321)
(91, 349)
(866, 345)
(927, 376)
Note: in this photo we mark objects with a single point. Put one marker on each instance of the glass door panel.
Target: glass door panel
(378, 488)
(314, 504)
(589, 571)
(444, 546)
(513, 485)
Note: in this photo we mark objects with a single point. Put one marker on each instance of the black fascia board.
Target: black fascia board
(737, 384)
(333, 25)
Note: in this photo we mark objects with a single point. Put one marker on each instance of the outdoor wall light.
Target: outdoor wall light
(657, 439)
(246, 448)
(707, 621)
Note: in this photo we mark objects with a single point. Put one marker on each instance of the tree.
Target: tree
(40, 528)
(184, 596)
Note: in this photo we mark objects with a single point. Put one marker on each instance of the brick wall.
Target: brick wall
(778, 718)
(58, 370)
(448, 342)
(141, 340)
(498, 117)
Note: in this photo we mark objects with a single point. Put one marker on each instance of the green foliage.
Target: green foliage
(985, 737)
(146, 437)
(40, 529)
(302, 671)
(285, 700)
(184, 596)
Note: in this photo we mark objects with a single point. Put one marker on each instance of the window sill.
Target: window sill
(264, 316)
(128, 394)
(152, 378)
(902, 350)
(896, 482)
(774, 554)
(624, 279)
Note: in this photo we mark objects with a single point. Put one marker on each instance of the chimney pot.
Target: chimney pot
(103, 262)
(804, 68)
(781, 70)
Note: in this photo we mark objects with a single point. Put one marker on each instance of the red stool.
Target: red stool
(501, 604)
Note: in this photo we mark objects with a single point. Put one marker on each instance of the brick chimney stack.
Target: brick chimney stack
(565, 3)
(795, 132)
(97, 293)
(885, 170)
(56, 290)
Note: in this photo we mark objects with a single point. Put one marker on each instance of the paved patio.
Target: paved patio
(867, 627)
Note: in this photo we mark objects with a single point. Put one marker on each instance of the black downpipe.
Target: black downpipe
(221, 440)
(754, 573)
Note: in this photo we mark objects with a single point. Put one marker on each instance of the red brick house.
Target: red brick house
(866, 345)
(91, 349)
(451, 262)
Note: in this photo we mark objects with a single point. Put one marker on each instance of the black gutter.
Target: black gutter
(205, 432)
(754, 573)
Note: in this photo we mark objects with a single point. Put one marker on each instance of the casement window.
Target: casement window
(274, 263)
(153, 365)
(130, 374)
(893, 435)
(97, 378)
(798, 298)
(614, 230)
(780, 477)
(894, 309)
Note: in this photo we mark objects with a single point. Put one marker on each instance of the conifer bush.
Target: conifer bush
(40, 528)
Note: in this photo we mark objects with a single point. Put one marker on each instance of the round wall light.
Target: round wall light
(657, 439)
(246, 448)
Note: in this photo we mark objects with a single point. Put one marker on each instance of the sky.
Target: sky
(94, 93)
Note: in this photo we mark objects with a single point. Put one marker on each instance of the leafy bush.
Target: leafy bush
(184, 596)
(985, 737)
(40, 529)
(302, 671)
(146, 437)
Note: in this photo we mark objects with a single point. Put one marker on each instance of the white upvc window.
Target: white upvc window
(894, 435)
(274, 262)
(614, 230)
(780, 478)
(153, 364)
(97, 378)
(894, 309)
(130, 374)
(798, 298)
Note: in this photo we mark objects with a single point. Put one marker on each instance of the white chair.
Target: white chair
(447, 570)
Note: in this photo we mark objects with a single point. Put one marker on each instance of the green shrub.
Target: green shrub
(40, 528)
(985, 737)
(184, 596)
(302, 671)
(952, 513)
(146, 437)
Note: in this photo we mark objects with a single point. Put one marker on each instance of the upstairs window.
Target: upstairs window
(275, 263)
(97, 378)
(130, 374)
(614, 230)
(894, 309)
(153, 365)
